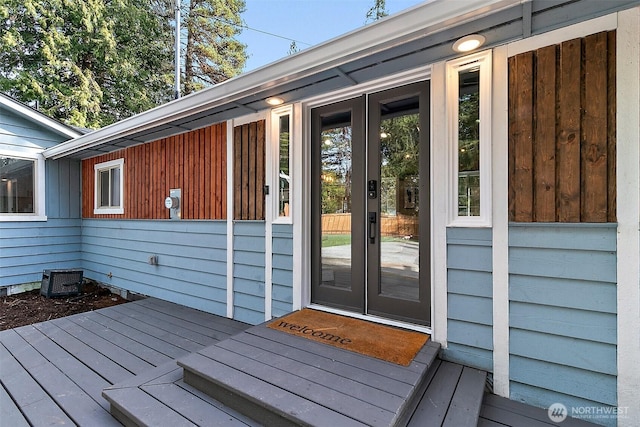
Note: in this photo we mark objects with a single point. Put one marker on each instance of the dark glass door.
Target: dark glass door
(398, 213)
(370, 204)
(338, 170)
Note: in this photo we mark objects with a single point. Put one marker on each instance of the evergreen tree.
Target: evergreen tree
(213, 54)
(377, 11)
(87, 63)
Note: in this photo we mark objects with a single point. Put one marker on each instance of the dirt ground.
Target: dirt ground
(31, 307)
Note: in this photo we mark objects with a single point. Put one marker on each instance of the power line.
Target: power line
(244, 26)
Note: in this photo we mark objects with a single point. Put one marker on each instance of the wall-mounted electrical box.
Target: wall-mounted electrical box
(173, 203)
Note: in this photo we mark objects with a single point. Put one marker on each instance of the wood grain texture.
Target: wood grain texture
(194, 162)
(562, 140)
(249, 170)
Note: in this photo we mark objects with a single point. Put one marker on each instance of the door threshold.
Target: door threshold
(373, 318)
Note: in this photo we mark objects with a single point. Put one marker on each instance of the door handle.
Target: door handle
(372, 227)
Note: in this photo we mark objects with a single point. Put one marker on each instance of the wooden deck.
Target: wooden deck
(156, 363)
(53, 373)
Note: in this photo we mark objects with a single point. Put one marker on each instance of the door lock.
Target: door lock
(372, 188)
(373, 225)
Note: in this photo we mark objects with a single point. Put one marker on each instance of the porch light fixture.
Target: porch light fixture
(274, 100)
(469, 43)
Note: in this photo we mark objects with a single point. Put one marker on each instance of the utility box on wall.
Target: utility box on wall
(173, 203)
(57, 283)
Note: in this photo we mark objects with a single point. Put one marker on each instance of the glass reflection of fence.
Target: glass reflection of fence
(404, 226)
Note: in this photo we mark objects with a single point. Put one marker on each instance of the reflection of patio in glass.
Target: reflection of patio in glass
(399, 275)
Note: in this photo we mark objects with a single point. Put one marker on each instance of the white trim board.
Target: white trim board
(628, 242)
(500, 234)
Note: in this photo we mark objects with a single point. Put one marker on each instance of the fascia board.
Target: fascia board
(38, 117)
(419, 21)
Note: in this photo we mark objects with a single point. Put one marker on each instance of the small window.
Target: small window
(469, 105)
(109, 179)
(281, 149)
(17, 185)
(284, 175)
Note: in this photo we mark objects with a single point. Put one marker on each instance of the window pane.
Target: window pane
(284, 173)
(469, 143)
(104, 188)
(17, 185)
(335, 178)
(115, 187)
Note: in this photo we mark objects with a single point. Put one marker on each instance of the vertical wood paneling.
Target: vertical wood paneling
(189, 161)
(545, 136)
(249, 171)
(260, 169)
(237, 170)
(569, 132)
(244, 174)
(594, 140)
(522, 137)
(562, 132)
(251, 193)
(611, 127)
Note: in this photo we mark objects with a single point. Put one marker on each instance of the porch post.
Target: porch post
(500, 254)
(628, 196)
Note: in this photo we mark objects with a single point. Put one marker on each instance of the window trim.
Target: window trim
(39, 190)
(274, 175)
(97, 168)
(483, 60)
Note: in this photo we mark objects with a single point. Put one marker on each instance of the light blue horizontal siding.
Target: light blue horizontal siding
(191, 258)
(248, 271)
(19, 131)
(28, 248)
(63, 188)
(282, 270)
(562, 313)
(469, 297)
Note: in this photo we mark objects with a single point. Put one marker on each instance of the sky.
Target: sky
(308, 22)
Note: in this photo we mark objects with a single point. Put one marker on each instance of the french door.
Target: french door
(370, 204)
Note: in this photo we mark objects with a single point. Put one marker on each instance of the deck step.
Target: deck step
(160, 397)
(280, 379)
(452, 399)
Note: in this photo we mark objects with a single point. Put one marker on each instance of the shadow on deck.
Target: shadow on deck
(156, 363)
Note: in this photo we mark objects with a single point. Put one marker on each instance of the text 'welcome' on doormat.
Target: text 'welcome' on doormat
(382, 342)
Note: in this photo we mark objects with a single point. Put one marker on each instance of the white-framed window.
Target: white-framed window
(281, 148)
(469, 138)
(22, 187)
(109, 187)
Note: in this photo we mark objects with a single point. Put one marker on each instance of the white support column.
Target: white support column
(628, 182)
(440, 202)
(300, 209)
(271, 158)
(230, 219)
(500, 164)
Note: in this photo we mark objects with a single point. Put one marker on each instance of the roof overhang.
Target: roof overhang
(37, 117)
(418, 36)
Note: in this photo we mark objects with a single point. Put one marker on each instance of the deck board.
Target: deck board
(36, 406)
(359, 374)
(58, 372)
(54, 372)
(9, 412)
(502, 411)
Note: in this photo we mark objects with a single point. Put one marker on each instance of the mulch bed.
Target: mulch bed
(31, 307)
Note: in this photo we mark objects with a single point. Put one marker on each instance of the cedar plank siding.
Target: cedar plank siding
(193, 161)
(562, 141)
(249, 171)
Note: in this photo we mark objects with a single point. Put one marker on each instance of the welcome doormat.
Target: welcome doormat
(371, 339)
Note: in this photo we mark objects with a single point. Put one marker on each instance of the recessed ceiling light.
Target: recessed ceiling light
(274, 100)
(469, 43)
